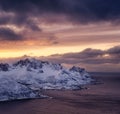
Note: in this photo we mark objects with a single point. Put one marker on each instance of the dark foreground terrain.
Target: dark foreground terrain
(97, 99)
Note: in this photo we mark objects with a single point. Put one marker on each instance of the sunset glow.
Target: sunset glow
(44, 28)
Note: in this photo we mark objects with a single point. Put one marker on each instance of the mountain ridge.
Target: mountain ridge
(27, 77)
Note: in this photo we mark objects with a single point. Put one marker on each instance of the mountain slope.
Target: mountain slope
(25, 78)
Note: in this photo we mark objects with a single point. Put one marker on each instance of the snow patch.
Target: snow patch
(25, 78)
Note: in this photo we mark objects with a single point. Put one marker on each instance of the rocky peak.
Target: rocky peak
(4, 67)
(77, 69)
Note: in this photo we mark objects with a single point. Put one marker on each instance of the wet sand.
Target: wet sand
(97, 99)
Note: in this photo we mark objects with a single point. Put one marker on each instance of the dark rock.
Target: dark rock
(77, 69)
(4, 67)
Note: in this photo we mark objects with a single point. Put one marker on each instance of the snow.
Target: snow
(25, 79)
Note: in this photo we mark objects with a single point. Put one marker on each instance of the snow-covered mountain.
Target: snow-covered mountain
(25, 78)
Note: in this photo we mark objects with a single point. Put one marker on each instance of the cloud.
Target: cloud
(7, 34)
(84, 11)
(91, 59)
(4, 20)
(18, 20)
(87, 53)
(88, 56)
(115, 51)
(30, 14)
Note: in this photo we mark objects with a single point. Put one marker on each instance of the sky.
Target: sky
(85, 33)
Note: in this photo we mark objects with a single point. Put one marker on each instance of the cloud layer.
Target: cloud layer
(28, 16)
(79, 10)
(10, 35)
(95, 60)
(90, 58)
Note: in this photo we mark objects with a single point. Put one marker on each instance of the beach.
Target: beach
(103, 98)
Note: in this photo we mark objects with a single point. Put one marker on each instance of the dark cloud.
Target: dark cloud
(29, 14)
(32, 25)
(19, 21)
(84, 11)
(87, 53)
(115, 51)
(89, 56)
(4, 20)
(9, 35)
